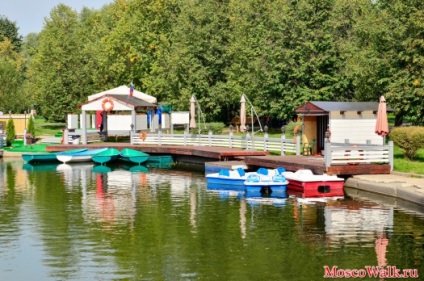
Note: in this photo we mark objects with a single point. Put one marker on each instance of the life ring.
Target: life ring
(143, 135)
(358, 153)
(107, 104)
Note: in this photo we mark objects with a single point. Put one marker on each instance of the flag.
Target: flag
(131, 89)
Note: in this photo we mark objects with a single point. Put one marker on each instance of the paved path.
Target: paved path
(397, 185)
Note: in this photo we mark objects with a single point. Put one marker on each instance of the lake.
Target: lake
(79, 222)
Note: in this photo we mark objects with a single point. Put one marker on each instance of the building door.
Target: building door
(322, 124)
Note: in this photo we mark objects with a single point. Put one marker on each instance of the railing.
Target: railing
(354, 154)
(265, 143)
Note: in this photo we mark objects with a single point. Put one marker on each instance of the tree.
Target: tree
(57, 69)
(10, 132)
(9, 30)
(11, 77)
(31, 127)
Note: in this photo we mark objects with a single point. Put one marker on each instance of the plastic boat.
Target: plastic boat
(311, 185)
(134, 156)
(47, 157)
(236, 179)
(227, 178)
(109, 155)
(266, 181)
(83, 156)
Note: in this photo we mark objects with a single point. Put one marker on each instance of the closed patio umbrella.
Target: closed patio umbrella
(381, 248)
(192, 112)
(382, 125)
(243, 114)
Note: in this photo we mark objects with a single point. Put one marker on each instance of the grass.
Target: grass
(42, 128)
(403, 164)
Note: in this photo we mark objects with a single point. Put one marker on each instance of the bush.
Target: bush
(31, 127)
(10, 132)
(410, 139)
(216, 128)
(290, 129)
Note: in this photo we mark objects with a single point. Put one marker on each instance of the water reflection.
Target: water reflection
(84, 222)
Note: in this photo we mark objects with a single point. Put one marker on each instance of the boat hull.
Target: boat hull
(133, 156)
(84, 156)
(310, 185)
(106, 156)
(47, 157)
(318, 188)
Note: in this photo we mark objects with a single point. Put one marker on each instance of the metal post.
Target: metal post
(266, 138)
(283, 137)
(231, 136)
(327, 154)
(160, 136)
(185, 134)
(66, 136)
(210, 137)
(391, 161)
(84, 127)
(297, 144)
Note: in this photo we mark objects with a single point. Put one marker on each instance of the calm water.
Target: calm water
(70, 222)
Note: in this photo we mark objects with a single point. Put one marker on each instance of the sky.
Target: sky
(29, 15)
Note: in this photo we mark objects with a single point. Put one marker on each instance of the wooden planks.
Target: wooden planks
(251, 158)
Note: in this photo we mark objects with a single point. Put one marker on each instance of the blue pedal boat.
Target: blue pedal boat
(266, 181)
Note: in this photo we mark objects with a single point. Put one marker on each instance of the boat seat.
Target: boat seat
(262, 171)
(280, 170)
(241, 172)
(224, 172)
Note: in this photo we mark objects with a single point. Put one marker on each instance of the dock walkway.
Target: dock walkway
(250, 158)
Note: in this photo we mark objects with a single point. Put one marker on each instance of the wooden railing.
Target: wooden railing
(265, 143)
(354, 154)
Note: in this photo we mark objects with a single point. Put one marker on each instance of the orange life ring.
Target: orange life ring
(358, 153)
(143, 135)
(107, 104)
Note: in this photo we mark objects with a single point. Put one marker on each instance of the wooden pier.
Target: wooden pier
(249, 158)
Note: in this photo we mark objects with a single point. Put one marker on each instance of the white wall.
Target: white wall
(73, 121)
(119, 122)
(87, 121)
(180, 118)
(358, 128)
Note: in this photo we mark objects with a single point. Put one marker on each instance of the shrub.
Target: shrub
(290, 129)
(216, 128)
(410, 139)
(10, 132)
(31, 128)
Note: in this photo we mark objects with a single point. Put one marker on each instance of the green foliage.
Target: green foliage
(217, 128)
(10, 131)
(290, 128)
(9, 30)
(30, 126)
(279, 53)
(410, 139)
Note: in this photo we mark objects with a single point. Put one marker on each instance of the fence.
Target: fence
(354, 154)
(334, 153)
(248, 142)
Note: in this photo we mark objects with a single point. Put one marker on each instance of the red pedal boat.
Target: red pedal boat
(307, 184)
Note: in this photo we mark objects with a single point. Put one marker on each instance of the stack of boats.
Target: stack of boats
(276, 182)
(100, 156)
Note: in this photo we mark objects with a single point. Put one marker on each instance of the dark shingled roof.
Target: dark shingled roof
(320, 107)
